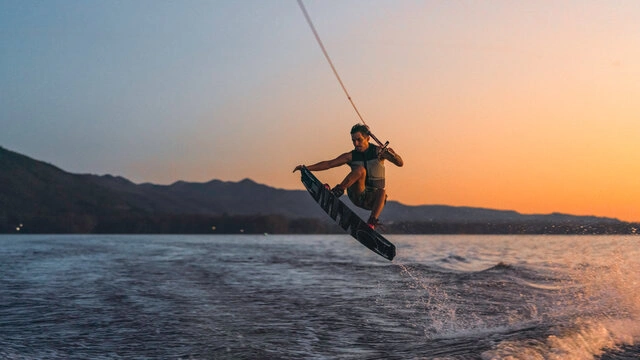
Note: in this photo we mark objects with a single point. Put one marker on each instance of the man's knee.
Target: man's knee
(359, 171)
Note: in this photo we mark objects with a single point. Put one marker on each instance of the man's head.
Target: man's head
(360, 137)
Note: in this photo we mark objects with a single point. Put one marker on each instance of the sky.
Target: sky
(529, 106)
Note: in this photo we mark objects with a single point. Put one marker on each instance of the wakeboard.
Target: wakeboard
(346, 218)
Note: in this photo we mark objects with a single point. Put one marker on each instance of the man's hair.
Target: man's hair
(363, 129)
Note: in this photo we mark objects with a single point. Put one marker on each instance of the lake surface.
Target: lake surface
(319, 297)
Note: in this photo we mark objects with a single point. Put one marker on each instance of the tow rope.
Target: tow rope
(335, 72)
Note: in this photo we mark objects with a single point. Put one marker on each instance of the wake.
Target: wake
(578, 312)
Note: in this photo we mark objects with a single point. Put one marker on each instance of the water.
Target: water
(319, 297)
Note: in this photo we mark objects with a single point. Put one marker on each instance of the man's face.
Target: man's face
(360, 141)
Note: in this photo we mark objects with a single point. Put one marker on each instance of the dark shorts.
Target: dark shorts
(366, 199)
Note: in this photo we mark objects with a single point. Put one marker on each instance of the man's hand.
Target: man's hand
(383, 153)
(389, 154)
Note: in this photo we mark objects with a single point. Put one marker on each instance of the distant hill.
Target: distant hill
(29, 186)
(58, 201)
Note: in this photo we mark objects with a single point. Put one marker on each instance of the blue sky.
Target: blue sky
(88, 84)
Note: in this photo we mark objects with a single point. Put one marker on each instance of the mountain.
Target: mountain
(396, 211)
(58, 201)
(28, 186)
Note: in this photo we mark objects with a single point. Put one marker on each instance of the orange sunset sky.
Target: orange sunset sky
(530, 106)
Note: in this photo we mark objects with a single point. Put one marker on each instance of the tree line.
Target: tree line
(137, 223)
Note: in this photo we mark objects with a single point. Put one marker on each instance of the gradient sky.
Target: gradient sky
(531, 106)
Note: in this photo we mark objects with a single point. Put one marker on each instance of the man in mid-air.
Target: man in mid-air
(365, 183)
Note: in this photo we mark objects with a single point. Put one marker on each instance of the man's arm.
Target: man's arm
(390, 155)
(328, 164)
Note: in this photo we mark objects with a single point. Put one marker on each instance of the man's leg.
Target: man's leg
(378, 205)
(354, 180)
